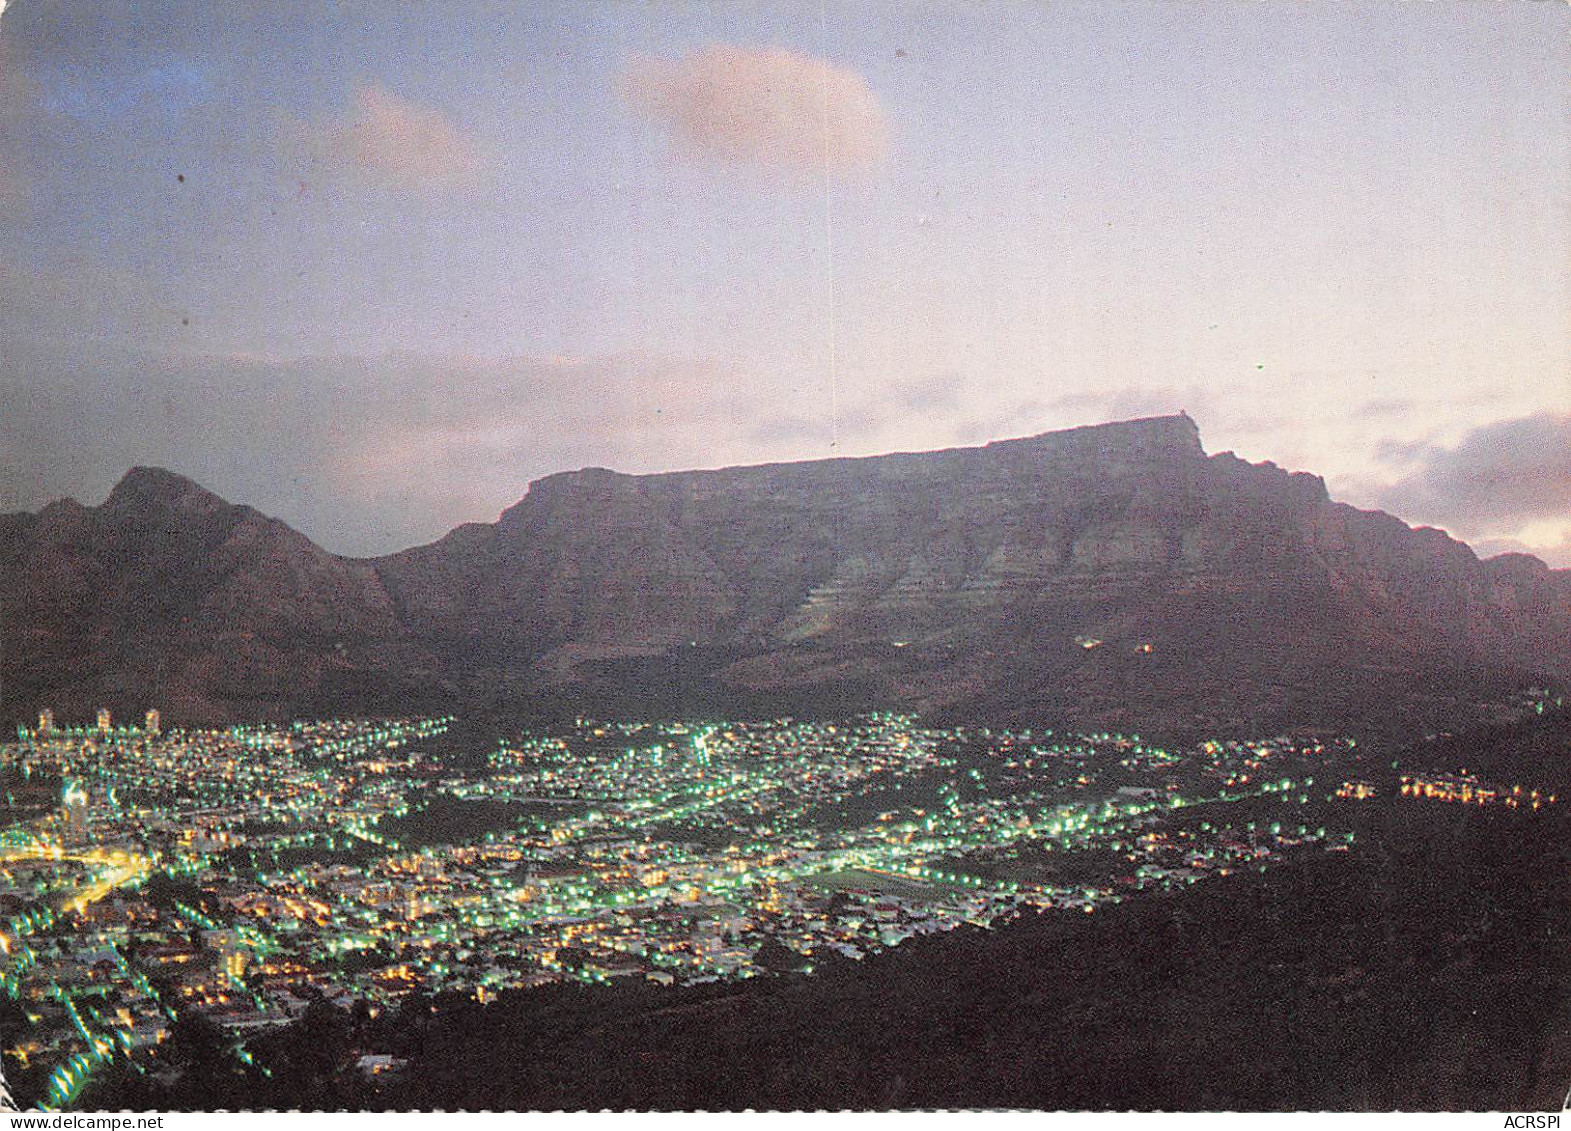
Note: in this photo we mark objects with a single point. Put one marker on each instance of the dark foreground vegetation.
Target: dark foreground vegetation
(1425, 969)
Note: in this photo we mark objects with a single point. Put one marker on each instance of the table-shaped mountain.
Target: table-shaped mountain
(1108, 577)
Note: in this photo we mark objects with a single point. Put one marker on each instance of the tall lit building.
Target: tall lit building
(151, 726)
(103, 720)
(73, 809)
(46, 721)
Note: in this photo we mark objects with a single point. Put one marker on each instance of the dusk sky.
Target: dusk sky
(372, 268)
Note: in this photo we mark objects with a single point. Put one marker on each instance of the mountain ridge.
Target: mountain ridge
(1113, 576)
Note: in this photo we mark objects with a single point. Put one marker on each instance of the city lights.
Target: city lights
(240, 873)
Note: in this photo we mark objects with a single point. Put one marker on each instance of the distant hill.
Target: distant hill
(167, 595)
(1105, 577)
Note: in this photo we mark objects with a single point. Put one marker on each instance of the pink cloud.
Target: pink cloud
(761, 106)
(1557, 555)
(393, 141)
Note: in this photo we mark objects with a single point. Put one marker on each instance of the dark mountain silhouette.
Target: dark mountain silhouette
(167, 595)
(971, 582)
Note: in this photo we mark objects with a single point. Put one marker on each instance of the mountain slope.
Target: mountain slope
(1225, 594)
(168, 595)
(1112, 576)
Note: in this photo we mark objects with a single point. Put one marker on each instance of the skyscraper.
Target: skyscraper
(73, 809)
(152, 724)
(103, 720)
(46, 721)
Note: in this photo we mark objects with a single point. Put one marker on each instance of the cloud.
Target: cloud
(760, 106)
(391, 141)
(366, 455)
(1404, 452)
(940, 392)
(1554, 554)
(1385, 408)
(1498, 477)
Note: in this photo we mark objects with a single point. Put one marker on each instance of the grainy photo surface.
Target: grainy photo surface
(785, 556)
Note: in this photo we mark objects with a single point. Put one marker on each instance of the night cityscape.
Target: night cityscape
(785, 556)
(243, 873)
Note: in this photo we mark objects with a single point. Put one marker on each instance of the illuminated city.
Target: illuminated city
(243, 873)
(784, 556)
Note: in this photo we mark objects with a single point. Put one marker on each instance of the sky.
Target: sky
(373, 268)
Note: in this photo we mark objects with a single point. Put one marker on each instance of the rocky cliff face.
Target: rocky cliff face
(897, 545)
(1105, 576)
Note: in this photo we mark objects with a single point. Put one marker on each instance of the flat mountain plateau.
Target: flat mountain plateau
(1107, 577)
